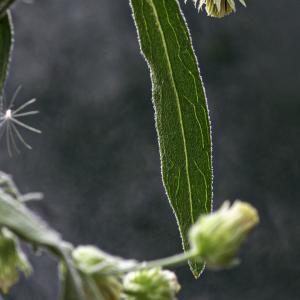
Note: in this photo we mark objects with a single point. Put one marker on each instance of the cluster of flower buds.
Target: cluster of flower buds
(151, 284)
(107, 274)
(12, 260)
(217, 237)
(217, 8)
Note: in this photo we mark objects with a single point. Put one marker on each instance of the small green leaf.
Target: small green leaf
(181, 112)
(6, 45)
(19, 219)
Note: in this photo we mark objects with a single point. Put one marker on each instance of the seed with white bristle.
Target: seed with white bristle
(10, 121)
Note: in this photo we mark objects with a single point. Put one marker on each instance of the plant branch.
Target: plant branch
(167, 262)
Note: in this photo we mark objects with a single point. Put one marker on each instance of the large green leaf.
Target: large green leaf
(6, 44)
(181, 112)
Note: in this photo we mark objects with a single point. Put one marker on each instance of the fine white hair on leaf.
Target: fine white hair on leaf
(10, 123)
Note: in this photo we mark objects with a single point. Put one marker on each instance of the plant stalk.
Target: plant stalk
(167, 262)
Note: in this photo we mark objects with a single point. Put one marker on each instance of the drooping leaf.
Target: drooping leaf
(181, 111)
(19, 219)
(15, 216)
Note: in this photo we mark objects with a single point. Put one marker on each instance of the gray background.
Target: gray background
(97, 161)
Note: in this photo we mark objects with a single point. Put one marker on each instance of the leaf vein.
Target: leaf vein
(178, 104)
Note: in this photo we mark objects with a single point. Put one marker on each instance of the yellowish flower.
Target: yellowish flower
(217, 8)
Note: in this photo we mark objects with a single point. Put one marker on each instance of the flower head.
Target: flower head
(151, 284)
(95, 263)
(217, 8)
(12, 260)
(217, 237)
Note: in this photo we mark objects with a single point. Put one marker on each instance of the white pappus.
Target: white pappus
(10, 122)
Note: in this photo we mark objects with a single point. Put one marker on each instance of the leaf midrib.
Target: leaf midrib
(171, 73)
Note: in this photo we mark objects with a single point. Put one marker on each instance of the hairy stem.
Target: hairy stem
(168, 262)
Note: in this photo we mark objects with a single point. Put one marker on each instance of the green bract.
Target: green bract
(151, 284)
(90, 259)
(217, 8)
(12, 260)
(217, 237)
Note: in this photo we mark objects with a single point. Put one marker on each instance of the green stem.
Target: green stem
(167, 262)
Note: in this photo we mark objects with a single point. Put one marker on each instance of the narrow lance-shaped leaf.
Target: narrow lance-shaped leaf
(6, 44)
(181, 112)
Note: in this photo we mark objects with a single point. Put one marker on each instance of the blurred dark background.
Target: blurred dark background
(97, 160)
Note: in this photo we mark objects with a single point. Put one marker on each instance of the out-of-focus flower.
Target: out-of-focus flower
(217, 8)
(217, 237)
(151, 284)
(100, 267)
(12, 260)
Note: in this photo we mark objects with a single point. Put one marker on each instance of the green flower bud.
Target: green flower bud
(93, 262)
(12, 260)
(217, 8)
(217, 237)
(151, 284)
